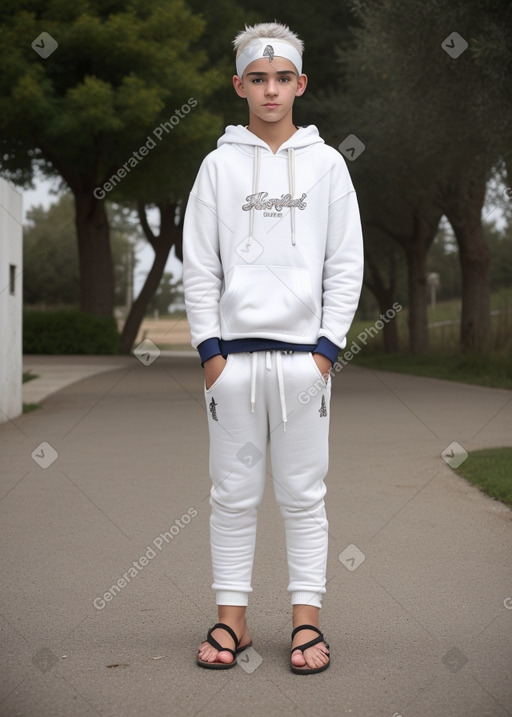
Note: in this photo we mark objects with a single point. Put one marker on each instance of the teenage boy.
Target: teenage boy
(272, 272)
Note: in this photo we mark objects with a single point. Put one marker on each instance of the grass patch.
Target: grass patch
(491, 471)
(29, 407)
(494, 371)
(444, 360)
(28, 376)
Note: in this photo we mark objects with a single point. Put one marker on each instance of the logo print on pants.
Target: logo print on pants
(213, 409)
(323, 408)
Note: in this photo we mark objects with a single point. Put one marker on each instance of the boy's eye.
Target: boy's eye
(257, 80)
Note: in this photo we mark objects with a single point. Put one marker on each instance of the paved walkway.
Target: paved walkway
(106, 568)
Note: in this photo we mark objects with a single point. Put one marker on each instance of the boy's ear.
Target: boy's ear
(239, 86)
(301, 85)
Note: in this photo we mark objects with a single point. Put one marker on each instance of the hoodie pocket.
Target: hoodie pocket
(269, 300)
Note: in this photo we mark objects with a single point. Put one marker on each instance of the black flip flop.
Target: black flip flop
(309, 670)
(213, 642)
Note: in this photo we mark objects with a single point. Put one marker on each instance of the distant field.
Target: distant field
(444, 359)
(170, 332)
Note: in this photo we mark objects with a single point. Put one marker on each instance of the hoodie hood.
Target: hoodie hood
(238, 134)
(302, 139)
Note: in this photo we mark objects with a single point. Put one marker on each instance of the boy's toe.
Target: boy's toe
(298, 659)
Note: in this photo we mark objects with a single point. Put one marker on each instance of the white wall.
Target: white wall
(11, 302)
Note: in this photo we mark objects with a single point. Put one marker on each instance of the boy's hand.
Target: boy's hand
(213, 369)
(324, 365)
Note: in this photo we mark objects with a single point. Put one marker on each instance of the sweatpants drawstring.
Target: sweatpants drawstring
(280, 380)
(280, 383)
(254, 364)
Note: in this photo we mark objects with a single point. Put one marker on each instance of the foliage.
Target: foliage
(168, 292)
(51, 275)
(120, 69)
(68, 332)
(118, 111)
(430, 142)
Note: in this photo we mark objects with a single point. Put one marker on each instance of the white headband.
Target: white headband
(268, 47)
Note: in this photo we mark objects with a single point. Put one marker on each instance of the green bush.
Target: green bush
(68, 332)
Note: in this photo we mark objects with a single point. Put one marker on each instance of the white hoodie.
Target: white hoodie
(272, 243)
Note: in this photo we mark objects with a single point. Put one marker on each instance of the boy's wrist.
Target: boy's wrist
(327, 348)
(209, 348)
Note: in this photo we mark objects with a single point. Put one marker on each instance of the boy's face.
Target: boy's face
(270, 88)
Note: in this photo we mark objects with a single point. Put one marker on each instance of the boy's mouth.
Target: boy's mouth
(271, 104)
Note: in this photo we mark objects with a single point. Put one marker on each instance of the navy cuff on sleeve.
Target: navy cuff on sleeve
(209, 348)
(327, 349)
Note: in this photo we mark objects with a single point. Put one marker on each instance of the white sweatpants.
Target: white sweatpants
(259, 397)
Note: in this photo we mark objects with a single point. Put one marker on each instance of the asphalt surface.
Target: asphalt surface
(114, 467)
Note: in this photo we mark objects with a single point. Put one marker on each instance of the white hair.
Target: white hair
(276, 30)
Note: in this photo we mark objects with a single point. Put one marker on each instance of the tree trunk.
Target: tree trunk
(139, 306)
(390, 330)
(475, 319)
(385, 294)
(94, 254)
(464, 212)
(426, 224)
(170, 234)
(417, 288)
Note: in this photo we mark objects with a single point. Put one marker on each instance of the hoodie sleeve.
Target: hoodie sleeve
(202, 268)
(343, 266)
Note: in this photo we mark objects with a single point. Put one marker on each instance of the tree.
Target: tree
(50, 257)
(51, 275)
(94, 110)
(169, 291)
(432, 142)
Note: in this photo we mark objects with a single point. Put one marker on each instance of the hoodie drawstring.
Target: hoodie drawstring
(280, 379)
(291, 179)
(255, 184)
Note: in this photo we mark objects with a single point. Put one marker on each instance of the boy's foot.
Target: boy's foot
(209, 654)
(311, 659)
